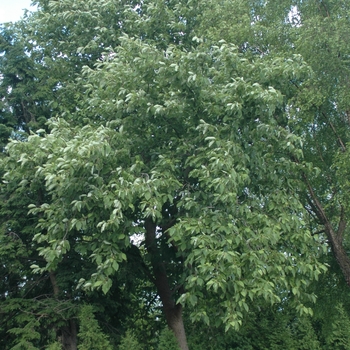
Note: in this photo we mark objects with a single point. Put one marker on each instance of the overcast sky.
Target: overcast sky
(12, 10)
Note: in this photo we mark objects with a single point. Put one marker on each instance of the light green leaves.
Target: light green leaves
(190, 141)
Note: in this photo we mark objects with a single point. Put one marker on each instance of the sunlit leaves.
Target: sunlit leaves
(193, 136)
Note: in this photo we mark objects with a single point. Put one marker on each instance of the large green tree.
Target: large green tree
(190, 158)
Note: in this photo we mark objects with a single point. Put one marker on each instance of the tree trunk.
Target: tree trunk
(335, 237)
(67, 335)
(175, 323)
(172, 311)
(339, 252)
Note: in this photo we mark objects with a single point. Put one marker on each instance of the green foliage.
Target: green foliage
(129, 342)
(90, 334)
(54, 346)
(305, 337)
(336, 334)
(26, 87)
(265, 328)
(167, 340)
(101, 168)
(28, 320)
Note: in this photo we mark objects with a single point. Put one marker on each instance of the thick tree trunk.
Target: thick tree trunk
(172, 311)
(175, 323)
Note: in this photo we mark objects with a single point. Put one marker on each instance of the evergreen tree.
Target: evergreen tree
(129, 342)
(90, 334)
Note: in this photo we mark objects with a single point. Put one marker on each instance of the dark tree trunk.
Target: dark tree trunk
(172, 311)
(175, 323)
(339, 252)
(335, 237)
(67, 335)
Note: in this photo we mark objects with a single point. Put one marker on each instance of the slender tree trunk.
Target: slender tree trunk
(339, 252)
(67, 334)
(54, 285)
(335, 237)
(172, 311)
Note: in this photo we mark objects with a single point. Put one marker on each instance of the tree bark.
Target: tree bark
(172, 311)
(67, 335)
(54, 285)
(339, 253)
(335, 237)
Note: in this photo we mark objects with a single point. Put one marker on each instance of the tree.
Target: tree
(197, 178)
(90, 333)
(167, 340)
(129, 342)
(26, 89)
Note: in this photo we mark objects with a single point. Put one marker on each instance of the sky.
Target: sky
(12, 10)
